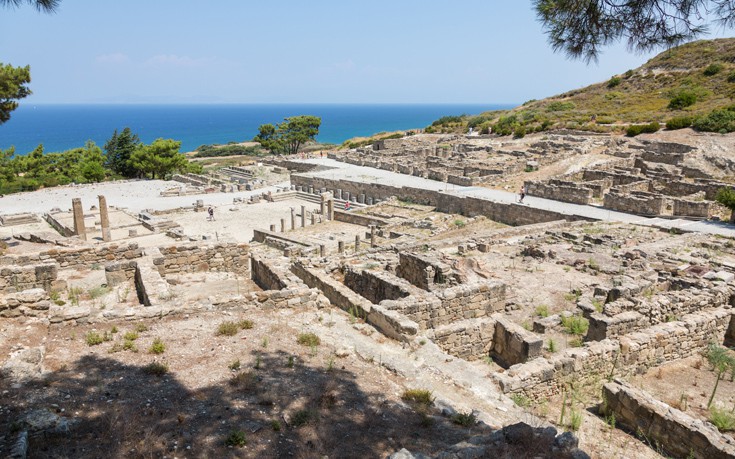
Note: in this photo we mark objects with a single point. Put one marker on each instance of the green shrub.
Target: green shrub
(614, 81)
(731, 78)
(276, 425)
(420, 397)
(234, 366)
(559, 106)
(140, 328)
(521, 400)
(130, 336)
(446, 120)
(575, 420)
(308, 339)
(303, 417)
(636, 129)
(552, 345)
(575, 325)
(236, 438)
(129, 346)
(459, 223)
(542, 310)
(464, 419)
(93, 338)
(722, 121)
(245, 324)
(722, 419)
(519, 132)
(713, 69)
(156, 369)
(679, 122)
(158, 347)
(682, 99)
(227, 329)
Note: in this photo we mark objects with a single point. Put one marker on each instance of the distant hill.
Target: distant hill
(687, 83)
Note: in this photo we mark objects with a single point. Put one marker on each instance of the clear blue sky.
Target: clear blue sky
(241, 51)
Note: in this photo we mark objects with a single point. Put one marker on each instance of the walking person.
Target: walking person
(210, 211)
(521, 194)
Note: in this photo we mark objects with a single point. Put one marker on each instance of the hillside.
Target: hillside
(690, 80)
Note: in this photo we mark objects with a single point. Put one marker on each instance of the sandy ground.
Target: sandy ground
(134, 195)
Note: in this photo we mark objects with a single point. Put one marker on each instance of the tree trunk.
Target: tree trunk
(711, 397)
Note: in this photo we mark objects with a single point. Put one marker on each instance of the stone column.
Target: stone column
(372, 235)
(283, 225)
(323, 204)
(273, 228)
(313, 219)
(79, 230)
(322, 250)
(293, 219)
(357, 242)
(303, 216)
(341, 247)
(104, 219)
(330, 209)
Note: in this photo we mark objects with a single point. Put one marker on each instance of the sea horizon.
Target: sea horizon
(62, 126)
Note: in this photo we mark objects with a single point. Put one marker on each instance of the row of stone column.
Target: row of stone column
(341, 244)
(338, 194)
(79, 228)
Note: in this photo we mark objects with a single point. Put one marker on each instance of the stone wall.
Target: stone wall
(513, 344)
(559, 190)
(117, 273)
(79, 257)
(701, 209)
(648, 204)
(187, 258)
(423, 271)
(374, 286)
(678, 434)
(265, 276)
(19, 278)
(31, 302)
(358, 219)
(630, 354)
(466, 339)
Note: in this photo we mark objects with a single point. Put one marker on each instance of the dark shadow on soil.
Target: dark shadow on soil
(284, 407)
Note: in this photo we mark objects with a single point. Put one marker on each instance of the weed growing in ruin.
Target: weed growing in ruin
(93, 338)
(575, 420)
(130, 336)
(420, 397)
(227, 329)
(460, 223)
(575, 325)
(114, 330)
(290, 361)
(129, 346)
(234, 366)
(598, 304)
(257, 363)
(303, 417)
(158, 347)
(610, 420)
(276, 425)
(156, 369)
(573, 296)
(552, 345)
(593, 264)
(465, 419)
(98, 292)
(521, 400)
(308, 339)
(236, 438)
(722, 361)
(73, 295)
(245, 324)
(246, 381)
(576, 342)
(542, 310)
(140, 328)
(264, 343)
(422, 342)
(722, 419)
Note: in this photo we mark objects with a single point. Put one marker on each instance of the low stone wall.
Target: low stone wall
(120, 272)
(513, 344)
(467, 339)
(635, 203)
(358, 219)
(374, 286)
(677, 433)
(264, 275)
(423, 271)
(18, 278)
(228, 257)
(630, 354)
(561, 191)
(390, 323)
(31, 302)
(77, 258)
(701, 209)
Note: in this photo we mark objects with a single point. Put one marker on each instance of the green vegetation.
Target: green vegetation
(93, 338)
(303, 417)
(722, 121)
(636, 129)
(156, 369)
(575, 325)
(130, 336)
(521, 400)
(420, 397)
(13, 88)
(721, 361)
(236, 438)
(682, 99)
(227, 328)
(308, 339)
(157, 347)
(726, 197)
(289, 136)
(614, 81)
(552, 345)
(464, 419)
(210, 151)
(542, 310)
(245, 324)
(679, 122)
(713, 69)
(722, 419)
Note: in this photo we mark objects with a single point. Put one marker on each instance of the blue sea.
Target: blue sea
(61, 127)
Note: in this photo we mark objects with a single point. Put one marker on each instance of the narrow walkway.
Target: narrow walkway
(345, 171)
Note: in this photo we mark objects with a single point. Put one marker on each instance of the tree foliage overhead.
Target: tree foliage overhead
(13, 87)
(581, 28)
(49, 6)
(290, 135)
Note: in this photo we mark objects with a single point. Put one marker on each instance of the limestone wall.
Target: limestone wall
(559, 190)
(19, 278)
(78, 257)
(467, 339)
(31, 302)
(678, 434)
(423, 271)
(358, 219)
(630, 354)
(513, 344)
(635, 204)
(265, 276)
(186, 258)
(686, 208)
(117, 273)
(374, 286)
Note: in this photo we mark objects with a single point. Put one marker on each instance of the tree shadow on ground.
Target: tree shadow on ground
(284, 408)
